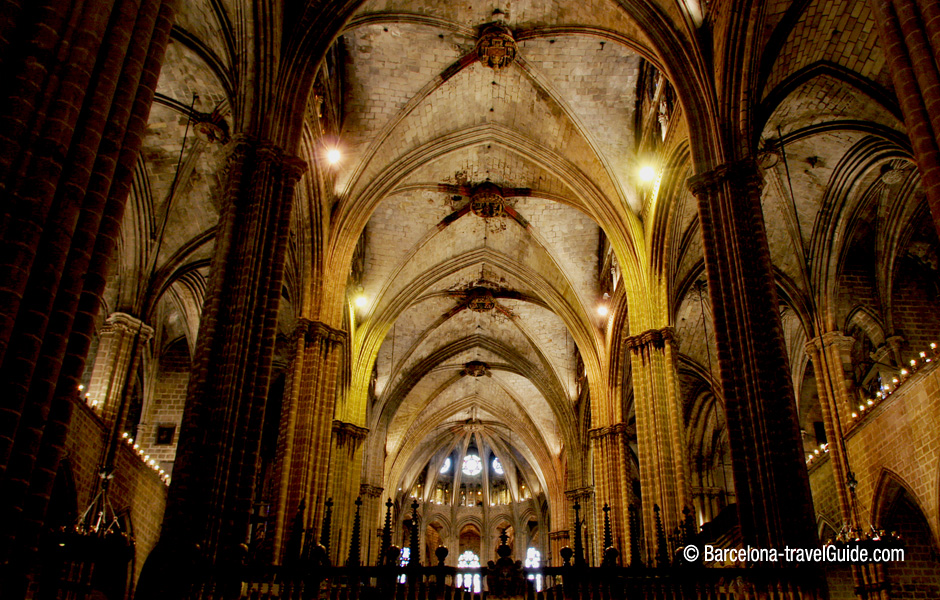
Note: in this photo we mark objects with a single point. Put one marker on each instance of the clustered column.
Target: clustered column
(345, 476)
(612, 478)
(585, 498)
(306, 426)
(77, 91)
(373, 511)
(120, 343)
(659, 429)
(910, 35)
(210, 500)
(771, 484)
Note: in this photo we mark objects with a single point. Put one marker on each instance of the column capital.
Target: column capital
(317, 330)
(267, 151)
(562, 535)
(129, 324)
(350, 430)
(370, 491)
(744, 173)
(652, 337)
(580, 493)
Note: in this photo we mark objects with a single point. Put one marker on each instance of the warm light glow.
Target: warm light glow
(647, 173)
(81, 387)
(333, 155)
(602, 310)
(360, 301)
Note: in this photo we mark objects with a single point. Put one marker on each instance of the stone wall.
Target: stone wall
(894, 452)
(136, 490)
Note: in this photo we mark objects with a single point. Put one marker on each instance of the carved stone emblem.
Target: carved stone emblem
(487, 201)
(480, 300)
(496, 48)
(476, 368)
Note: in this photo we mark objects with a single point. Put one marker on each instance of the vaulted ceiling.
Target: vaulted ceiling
(494, 207)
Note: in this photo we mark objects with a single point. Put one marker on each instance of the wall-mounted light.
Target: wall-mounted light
(647, 173)
(602, 309)
(333, 156)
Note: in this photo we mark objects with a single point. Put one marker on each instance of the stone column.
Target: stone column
(828, 378)
(771, 484)
(557, 540)
(119, 350)
(210, 499)
(345, 475)
(585, 496)
(910, 35)
(660, 432)
(373, 515)
(306, 429)
(77, 93)
(613, 483)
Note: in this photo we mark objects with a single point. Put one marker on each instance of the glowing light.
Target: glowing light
(360, 301)
(333, 156)
(446, 466)
(472, 465)
(602, 310)
(81, 387)
(647, 173)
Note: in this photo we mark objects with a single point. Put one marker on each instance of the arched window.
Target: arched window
(446, 466)
(533, 560)
(403, 559)
(469, 582)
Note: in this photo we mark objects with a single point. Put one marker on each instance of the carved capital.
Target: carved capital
(743, 174)
(370, 491)
(315, 331)
(349, 431)
(562, 535)
(264, 151)
(126, 323)
(657, 338)
(582, 493)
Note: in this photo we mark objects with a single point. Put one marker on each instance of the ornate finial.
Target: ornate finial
(503, 550)
(688, 528)
(608, 535)
(386, 533)
(415, 548)
(634, 519)
(441, 553)
(354, 543)
(662, 552)
(578, 545)
(327, 521)
(566, 554)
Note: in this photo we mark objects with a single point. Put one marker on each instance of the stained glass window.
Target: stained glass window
(469, 560)
(533, 560)
(497, 466)
(472, 465)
